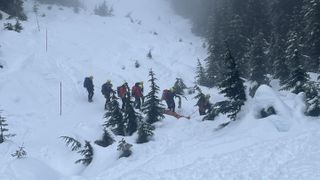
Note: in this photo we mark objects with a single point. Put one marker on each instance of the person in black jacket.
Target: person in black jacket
(204, 104)
(106, 90)
(88, 84)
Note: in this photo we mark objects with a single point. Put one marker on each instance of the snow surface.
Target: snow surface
(281, 146)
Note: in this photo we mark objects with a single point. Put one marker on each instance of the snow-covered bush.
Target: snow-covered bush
(124, 148)
(145, 132)
(20, 153)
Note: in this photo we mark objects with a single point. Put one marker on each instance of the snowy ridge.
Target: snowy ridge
(281, 146)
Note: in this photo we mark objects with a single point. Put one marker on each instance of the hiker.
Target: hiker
(168, 96)
(106, 90)
(137, 94)
(88, 84)
(123, 91)
(204, 104)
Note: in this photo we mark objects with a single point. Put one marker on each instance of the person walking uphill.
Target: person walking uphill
(88, 84)
(168, 96)
(106, 90)
(204, 104)
(122, 93)
(138, 95)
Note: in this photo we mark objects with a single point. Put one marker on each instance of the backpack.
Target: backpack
(165, 94)
(136, 91)
(121, 91)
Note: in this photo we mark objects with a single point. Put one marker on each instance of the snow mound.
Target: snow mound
(265, 98)
(28, 168)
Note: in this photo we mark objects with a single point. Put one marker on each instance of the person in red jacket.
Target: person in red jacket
(122, 93)
(138, 95)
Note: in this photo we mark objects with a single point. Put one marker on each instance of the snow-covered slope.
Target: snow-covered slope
(282, 146)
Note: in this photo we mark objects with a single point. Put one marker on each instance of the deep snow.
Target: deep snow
(282, 146)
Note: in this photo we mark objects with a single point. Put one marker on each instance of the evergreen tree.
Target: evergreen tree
(257, 19)
(72, 143)
(313, 99)
(124, 149)
(294, 58)
(115, 118)
(103, 10)
(20, 153)
(14, 8)
(201, 74)
(217, 32)
(87, 154)
(238, 43)
(18, 27)
(106, 139)
(145, 132)
(3, 129)
(298, 77)
(131, 118)
(232, 87)
(152, 105)
(149, 55)
(311, 18)
(258, 58)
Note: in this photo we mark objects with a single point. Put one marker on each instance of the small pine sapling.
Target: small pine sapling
(149, 55)
(8, 26)
(20, 153)
(145, 132)
(137, 64)
(18, 27)
(87, 154)
(3, 129)
(115, 118)
(124, 148)
(106, 140)
(72, 143)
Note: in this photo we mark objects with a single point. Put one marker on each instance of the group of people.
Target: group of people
(123, 93)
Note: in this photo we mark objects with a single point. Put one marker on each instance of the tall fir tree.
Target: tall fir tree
(313, 99)
(257, 57)
(152, 105)
(298, 76)
(201, 75)
(311, 19)
(114, 118)
(232, 88)
(281, 70)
